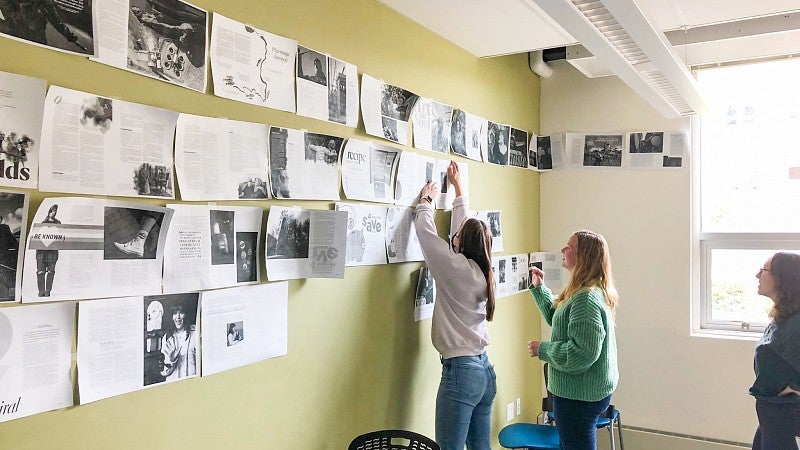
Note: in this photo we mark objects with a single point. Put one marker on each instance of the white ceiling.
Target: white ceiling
(499, 27)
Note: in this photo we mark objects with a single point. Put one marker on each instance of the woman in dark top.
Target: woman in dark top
(777, 356)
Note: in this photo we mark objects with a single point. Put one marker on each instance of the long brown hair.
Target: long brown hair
(785, 269)
(592, 269)
(476, 244)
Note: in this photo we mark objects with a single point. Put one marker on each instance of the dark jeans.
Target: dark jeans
(778, 424)
(577, 422)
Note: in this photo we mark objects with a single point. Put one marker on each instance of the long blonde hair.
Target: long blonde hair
(592, 269)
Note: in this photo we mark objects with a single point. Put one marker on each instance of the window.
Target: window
(746, 180)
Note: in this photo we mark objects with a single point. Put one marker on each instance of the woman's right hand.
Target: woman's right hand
(454, 177)
(537, 276)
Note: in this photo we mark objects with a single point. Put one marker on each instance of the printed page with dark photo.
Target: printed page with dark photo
(21, 115)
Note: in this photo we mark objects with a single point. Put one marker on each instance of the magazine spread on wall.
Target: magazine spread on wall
(594, 150)
(13, 227)
(35, 359)
(518, 148)
(368, 171)
(165, 40)
(366, 234)
(65, 26)
(327, 88)
(21, 109)
(131, 343)
(244, 325)
(493, 219)
(81, 248)
(425, 296)
(547, 153)
(510, 274)
(251, 65)
(413, 171)
(296, 157)
(210, 247)
(432, 123)
(386, 109)
(656, 150)
(101, 146)
(496, 149)
(402, 244)
(305, 243)
(550, 264)
(468, 134)
(220, 159)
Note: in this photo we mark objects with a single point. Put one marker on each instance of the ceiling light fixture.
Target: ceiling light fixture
(619, 34)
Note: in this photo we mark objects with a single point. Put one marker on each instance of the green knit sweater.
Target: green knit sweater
(582, 351)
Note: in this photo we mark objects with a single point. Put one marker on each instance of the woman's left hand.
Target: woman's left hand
(533, 348)
(429, 190)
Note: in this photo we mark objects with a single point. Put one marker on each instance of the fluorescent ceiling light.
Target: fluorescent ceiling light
(622, 38)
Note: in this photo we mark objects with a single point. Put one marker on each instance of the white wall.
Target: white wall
(669, 380)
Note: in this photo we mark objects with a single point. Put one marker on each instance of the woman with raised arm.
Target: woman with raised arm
(582, 351)
(777, 356)
(464, 304)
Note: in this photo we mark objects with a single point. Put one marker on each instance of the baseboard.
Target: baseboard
(637, 438)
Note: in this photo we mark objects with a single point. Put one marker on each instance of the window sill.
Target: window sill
(727, 334)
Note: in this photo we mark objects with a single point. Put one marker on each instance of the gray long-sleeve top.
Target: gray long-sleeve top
(459, 315)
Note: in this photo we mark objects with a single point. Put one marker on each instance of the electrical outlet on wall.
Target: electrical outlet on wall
(510, 412)
(519, 406)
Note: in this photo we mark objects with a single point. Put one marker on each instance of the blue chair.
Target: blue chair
(529, 436)
(541, 437)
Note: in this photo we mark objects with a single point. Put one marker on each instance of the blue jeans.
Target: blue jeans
(577, 422)
(464, 403)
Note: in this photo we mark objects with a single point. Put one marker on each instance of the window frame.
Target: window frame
(704, 243)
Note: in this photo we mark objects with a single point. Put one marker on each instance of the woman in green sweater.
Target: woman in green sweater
(582, 351)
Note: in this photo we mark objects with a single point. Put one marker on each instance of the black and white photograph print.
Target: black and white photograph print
(389, 127)
(279, 176)
(287, 238)
(337, 91)
(426, 288)
(544, 153)
(130, 233)
(497, 143)
(494, 223)
(222, 226)
(312, 66)
(323, 149)
(153, 181)
(253, 188)
(57, 24)
(673, 161)
(518, 148)
(235, 333)
(441, 123)
(167, 40)
(381, 164)
(397, 103)
(246, 248)
(602, 151)
(539, 265)
(650, 142)
(14, 151)
(171, 337)
(96, 113)
(501, 271)
(458, 133)
(13, 219)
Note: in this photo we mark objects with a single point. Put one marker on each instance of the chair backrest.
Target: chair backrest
(393, 440)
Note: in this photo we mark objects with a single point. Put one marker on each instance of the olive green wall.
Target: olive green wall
(357, 361)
